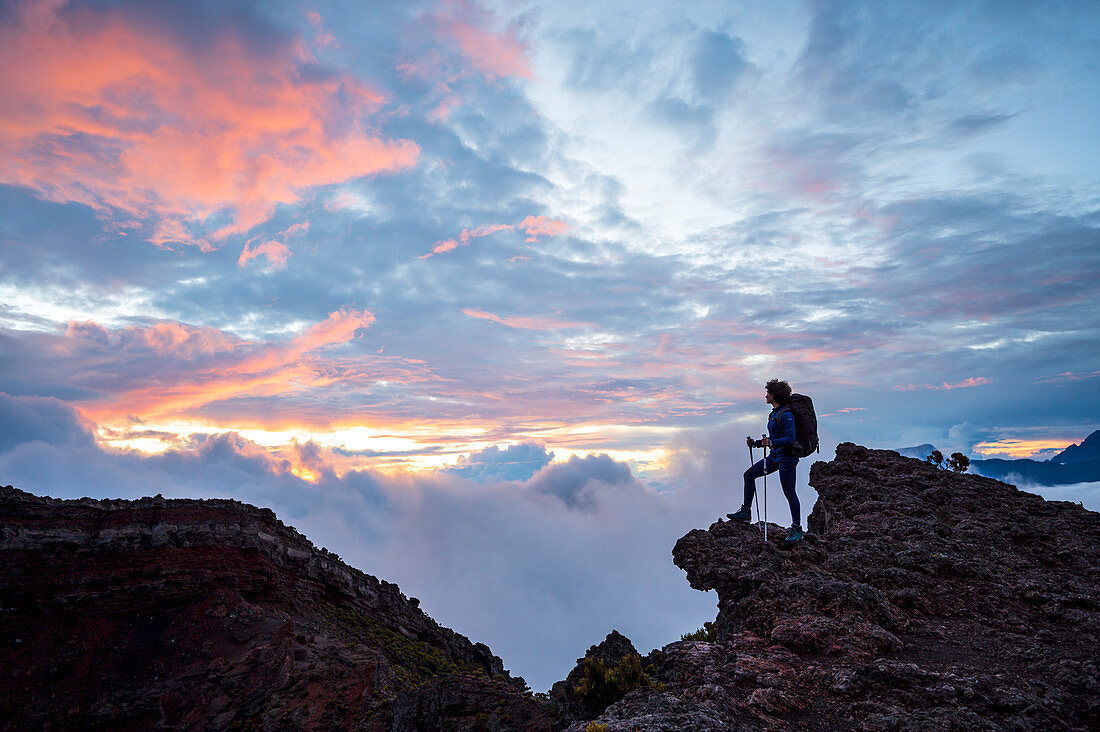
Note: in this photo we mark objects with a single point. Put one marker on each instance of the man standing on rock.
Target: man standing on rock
(781, 439)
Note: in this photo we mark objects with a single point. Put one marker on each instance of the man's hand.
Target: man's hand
(765, 442)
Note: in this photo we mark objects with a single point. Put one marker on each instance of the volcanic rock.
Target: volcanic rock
(212, 614)
(919, 599)
(603, 676)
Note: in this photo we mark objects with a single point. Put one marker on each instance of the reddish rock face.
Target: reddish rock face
(920, 599)
(212, 614)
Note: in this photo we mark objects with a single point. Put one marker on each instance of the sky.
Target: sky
(483, 295)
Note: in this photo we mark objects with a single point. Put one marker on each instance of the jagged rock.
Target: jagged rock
(462, 703)
(600, 677)
(213, 614)
(920, 599)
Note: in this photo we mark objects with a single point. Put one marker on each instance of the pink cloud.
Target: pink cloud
(534, 226)
(275, 252)
(526, 323)
(123, 116)
(494, 54)
(179, 340)
(1068, 376)
(964, 384)
(541, 226)
(464, 238)
(241, 368)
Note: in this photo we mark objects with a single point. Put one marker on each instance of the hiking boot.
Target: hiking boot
(743, 515)
(794, 534)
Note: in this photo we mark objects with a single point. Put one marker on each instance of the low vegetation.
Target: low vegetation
(414, 661)
(601, 687)
(706, 633)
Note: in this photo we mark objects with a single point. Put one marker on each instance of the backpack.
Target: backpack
(805, 425)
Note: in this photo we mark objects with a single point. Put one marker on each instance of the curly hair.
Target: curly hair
(781, 390)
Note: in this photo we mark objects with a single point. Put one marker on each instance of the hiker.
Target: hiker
(783, 456)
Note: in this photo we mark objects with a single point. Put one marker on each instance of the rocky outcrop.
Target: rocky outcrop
(920, 599)
(607, 672)
(213, 614)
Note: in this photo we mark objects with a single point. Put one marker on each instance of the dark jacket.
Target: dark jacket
(781, 434)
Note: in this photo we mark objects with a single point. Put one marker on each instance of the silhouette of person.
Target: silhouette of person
(781, 438)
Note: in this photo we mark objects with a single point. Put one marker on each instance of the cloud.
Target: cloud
(964, 384)
(464, 238)
(41, 419)
(578, 481)
(493, 53)
(1086, 494)
(276, 252)
(974, 124)
(119, 110)
(718, 63)
(184, 368)
(523, 323)
(537, 227)
(516, 462)
(576, 550)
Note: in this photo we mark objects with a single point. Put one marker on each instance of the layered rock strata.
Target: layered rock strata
(213, 614)
(920, 599)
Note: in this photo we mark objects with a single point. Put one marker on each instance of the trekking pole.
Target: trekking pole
(752, 461)
(765, 493)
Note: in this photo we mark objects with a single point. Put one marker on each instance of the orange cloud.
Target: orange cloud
(123, 116)
(246, 368)
(1019, 448)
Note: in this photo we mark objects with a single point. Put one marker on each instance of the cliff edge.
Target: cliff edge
(212, 614)
(920, 599)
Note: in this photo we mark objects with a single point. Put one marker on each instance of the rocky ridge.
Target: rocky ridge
(919, 599)
(214, 614)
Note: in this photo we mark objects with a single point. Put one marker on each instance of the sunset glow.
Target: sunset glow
(482, 290)
(1021, 448)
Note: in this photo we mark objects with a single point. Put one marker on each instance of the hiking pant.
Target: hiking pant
(786, 479)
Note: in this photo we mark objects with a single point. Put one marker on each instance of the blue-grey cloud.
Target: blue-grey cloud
(577, 481)
(515, 462)
(719, 62)
(41, 419)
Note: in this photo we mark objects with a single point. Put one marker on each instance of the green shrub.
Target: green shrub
(600, 687)
(706, 633)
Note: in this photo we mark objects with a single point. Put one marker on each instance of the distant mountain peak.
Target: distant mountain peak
(1089, 449)
(920, 452)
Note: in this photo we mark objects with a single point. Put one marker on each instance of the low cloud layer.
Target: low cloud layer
(458, 273)
(538, 568)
